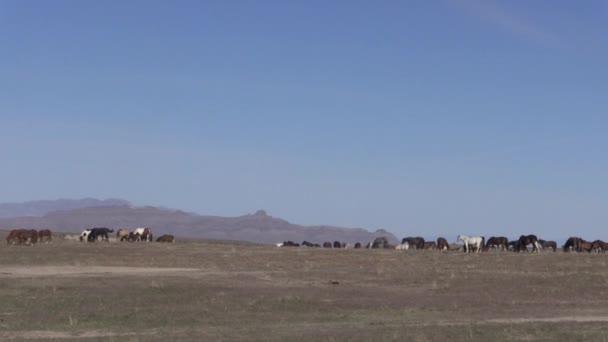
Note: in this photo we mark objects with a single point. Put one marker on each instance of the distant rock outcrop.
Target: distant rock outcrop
(259, 227)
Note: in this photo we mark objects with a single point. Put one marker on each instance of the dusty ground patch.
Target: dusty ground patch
(208, 291)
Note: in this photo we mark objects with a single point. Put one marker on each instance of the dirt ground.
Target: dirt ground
(219, 291)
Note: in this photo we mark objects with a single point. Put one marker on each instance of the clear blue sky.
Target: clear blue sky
(421, 117)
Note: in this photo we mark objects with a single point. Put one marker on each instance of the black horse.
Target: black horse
(497, 242)
(414, 242)
(99, 232)
(525, 240)
(548, 244)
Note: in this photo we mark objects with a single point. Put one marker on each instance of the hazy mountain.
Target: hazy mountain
(258, 227)
(40, 208)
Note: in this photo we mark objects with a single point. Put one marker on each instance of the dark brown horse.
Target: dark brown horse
(442, 244)
(572, 243)
(430, 245)
(166, 238)
(44, 235)
(498, 243)
(548, 244)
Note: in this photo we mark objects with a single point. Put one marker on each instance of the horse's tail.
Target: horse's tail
(483, 242)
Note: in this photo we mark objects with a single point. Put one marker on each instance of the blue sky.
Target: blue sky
(421, 117)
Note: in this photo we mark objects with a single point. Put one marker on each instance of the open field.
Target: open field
(209, 291)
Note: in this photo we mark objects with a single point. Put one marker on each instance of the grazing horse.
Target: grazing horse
(585, 246)
(327, 244)
(599, 246)
(145, 233)
(404, 246)
(337, 244)
(85, 235)
(512, 245)
(525, 240)
(166, 238)
(380, 242)
(442, 244)
(45, 235)
(133, 237)
(497, 243)
(99, 232)
(473, 241)
(122, 234)
(430, 245)
(548, 244)
(304, 243)
(414, 242)
(572, 243)
(22, 237)
(290, 244)
(358, 245)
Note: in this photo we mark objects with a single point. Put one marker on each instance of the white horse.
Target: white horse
(144, 233)
(403, 246)
(470, 241)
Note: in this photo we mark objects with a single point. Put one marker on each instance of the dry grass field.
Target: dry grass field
(214, 291)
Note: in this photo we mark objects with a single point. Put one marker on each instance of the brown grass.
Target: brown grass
(210, 291)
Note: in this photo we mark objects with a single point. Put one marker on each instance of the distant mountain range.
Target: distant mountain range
(40, 208)
(74, 215)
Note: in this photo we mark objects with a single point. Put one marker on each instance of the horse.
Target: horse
(145, 233)
(166, 238)
(548, 244)
(498, 243)
(442, 244)
(132, 237)
(338, 244)
(22, 237)
(473, 241)
(525, 240)
(44, 234)
(327, 244)
(585, 246)
(414, 242)
(512, 246)
(430, 245)
(599, 246)
(358, 245)
(122, 234)
(572, 244)
(99, 232)
(380, 242)
(403, 246)
(85, 235)
(307, 244)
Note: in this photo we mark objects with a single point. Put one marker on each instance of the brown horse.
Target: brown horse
(585, 246)
(166, 238)
(22, 237)
(44, 235)
(599, 246)
(122, 234)
(430, 245)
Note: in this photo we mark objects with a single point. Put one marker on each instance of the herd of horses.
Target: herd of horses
(470, 244)
(30, 237)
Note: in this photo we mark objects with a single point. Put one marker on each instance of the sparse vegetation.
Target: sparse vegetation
(197, 290)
